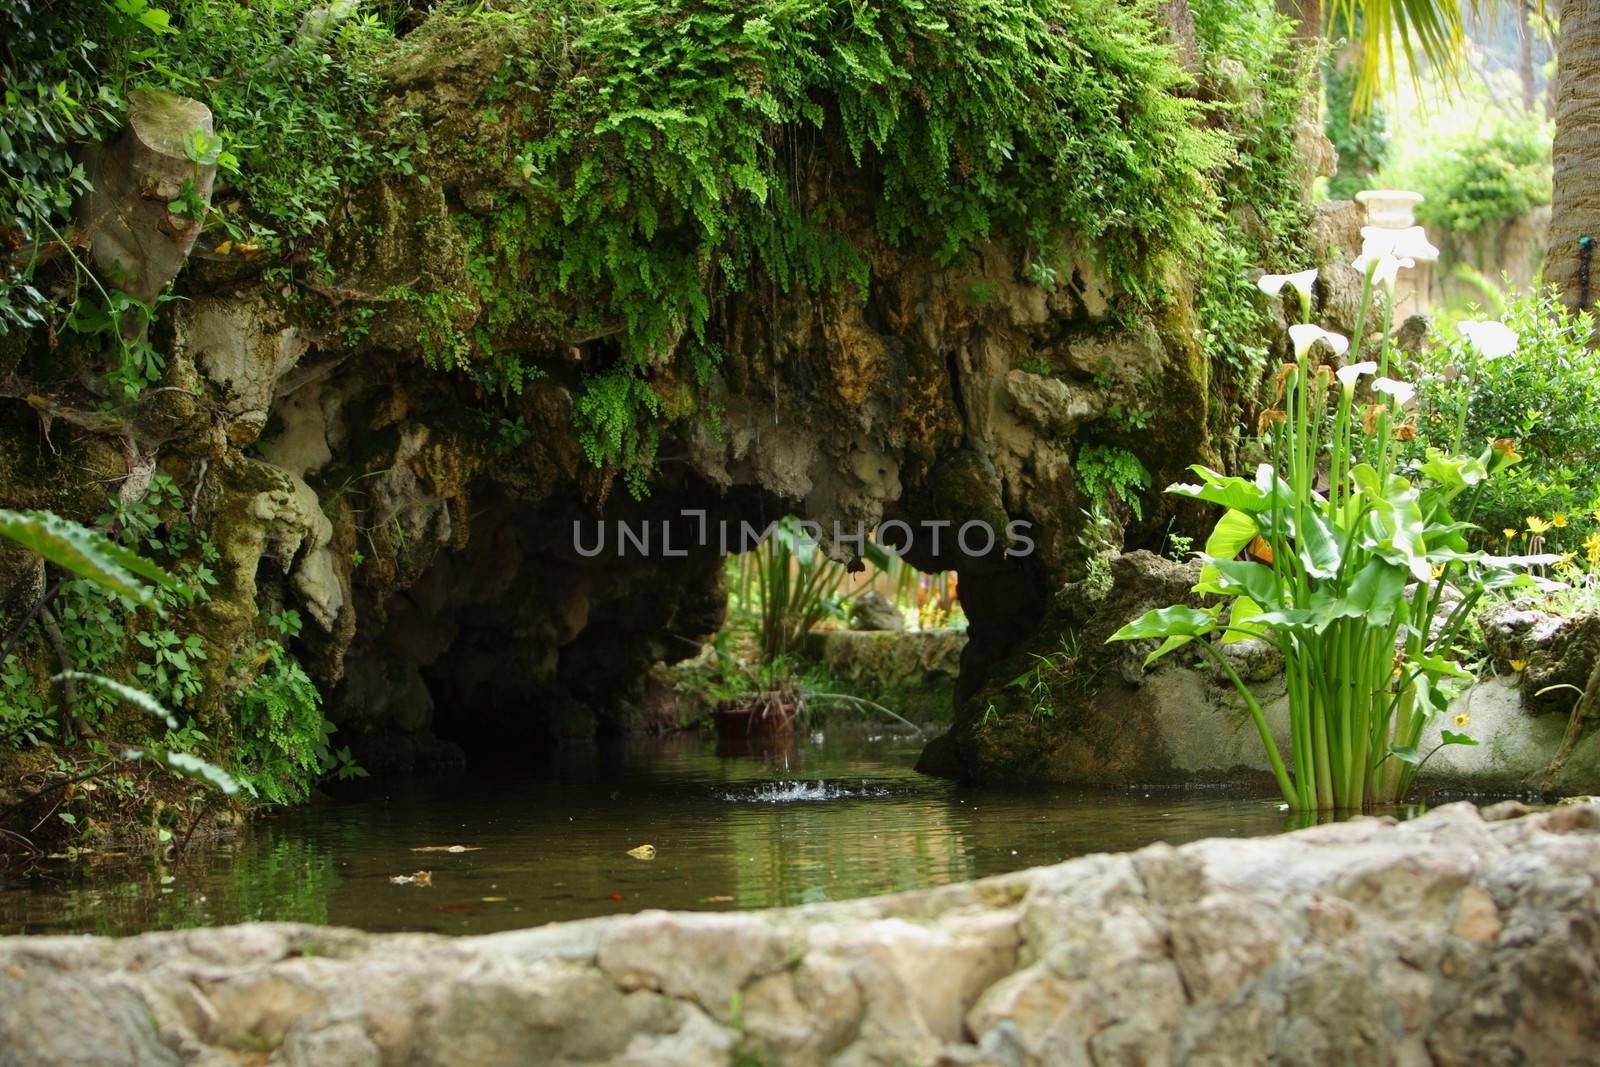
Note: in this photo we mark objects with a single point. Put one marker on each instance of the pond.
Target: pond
(814, 818)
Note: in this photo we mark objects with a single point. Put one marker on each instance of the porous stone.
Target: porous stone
(1447, 939)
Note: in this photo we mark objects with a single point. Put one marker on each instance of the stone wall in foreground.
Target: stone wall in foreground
(1447, 940)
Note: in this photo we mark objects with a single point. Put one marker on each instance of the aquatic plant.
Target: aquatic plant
(1351, 564)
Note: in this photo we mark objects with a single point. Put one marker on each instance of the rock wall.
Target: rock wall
(1448, 940)
(1181, 722)
(423, 526)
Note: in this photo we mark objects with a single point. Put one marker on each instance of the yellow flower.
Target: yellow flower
(1591, 548)
(1438, 571)
(1518, 664)
(1537, 526)
(1509, 532)
(1461, 719)
(1559, 520)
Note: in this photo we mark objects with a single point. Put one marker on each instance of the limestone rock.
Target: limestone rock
(1447, 939)
(874, 611)
(133, 237)
(244, 348)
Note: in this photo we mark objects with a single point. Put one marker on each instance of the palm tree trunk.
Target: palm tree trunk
(1575, 210)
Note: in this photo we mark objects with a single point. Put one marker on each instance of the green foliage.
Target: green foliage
(1062, 671)
(1544, 397)
(281, 748)
(1359, 133)
(86, 553)
(682, 160)
(290, 110)
(1350, 575)
(1472, 176)
(1262, 78)
(1107, 473)
(24, 714)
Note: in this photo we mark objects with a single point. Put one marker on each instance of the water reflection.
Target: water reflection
(816, 818)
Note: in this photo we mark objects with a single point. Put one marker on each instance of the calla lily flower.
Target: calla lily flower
(1272, 284)
(1381, 267)
(1402, 392)
(1347, 375)
(1305, 335)
(1492, 339)
(1409, 243)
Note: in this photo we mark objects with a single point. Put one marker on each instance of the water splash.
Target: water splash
(800, 792)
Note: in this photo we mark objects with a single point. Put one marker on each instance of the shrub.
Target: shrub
(1471, 176)
(1544, 397)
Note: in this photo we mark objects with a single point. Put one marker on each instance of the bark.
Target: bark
(1575, 212)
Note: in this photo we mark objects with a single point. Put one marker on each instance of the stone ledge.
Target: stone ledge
(1449, 939)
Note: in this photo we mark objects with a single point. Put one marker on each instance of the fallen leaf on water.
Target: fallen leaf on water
(419, 878)
(613, 896)
(494, 900)
(716, 900)
(448, 848)
(643, 852)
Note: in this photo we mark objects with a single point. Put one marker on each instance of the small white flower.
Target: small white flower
(1272, 284)
(1382, 267)
(1347, 375)
(1305, 335)
(1409, 243)
(1402, 392)
(1493, 339)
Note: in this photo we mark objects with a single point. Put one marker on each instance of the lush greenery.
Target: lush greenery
(1360, 136)
(1261, 78)
(680, 162)
(1490, 167)
(115, 572)
(1364, 588)
(668, 154)
(290, 107)
(1544, 395)
(111, 623)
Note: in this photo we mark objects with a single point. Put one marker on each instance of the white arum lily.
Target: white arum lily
(1272, 284)
(1381, 267)
(1347, 375)
(1402, 392)
(1409, 243)
(1305, 335)
(1492, 339)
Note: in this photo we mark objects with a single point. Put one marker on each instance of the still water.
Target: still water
(819, 817)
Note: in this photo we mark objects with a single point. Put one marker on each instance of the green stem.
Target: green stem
(1285, 786)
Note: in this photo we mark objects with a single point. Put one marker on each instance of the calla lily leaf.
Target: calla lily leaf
(86, 553)
(1243, 621)
(1408, 753)
(1171, 644)
(1450, 737)
(1318, 549)
(1176, 621)
(137, 697)
(1375, 590)
(1251, 579)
